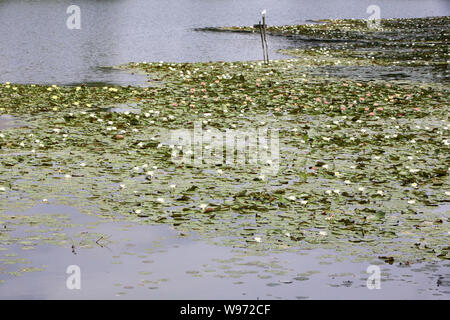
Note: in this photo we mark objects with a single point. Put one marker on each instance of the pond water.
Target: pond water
(37, 47)
(125, 259)
(132, 261)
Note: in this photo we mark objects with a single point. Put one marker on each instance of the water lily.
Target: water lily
(257, 239)
(160, 200)
(2, 189)
(292, 198)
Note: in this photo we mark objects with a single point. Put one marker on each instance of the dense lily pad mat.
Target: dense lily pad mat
(364, 165)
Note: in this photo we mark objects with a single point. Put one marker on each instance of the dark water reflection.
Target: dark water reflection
(36, 46)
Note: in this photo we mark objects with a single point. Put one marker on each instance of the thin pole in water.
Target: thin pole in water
(262, 40)
(263, 13)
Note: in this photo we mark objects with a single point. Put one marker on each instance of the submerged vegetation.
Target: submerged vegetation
(364, 164)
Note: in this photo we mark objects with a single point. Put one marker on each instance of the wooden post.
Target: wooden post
(262, 40)
(266, 59)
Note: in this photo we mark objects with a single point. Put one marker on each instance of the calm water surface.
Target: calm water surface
(37, 47)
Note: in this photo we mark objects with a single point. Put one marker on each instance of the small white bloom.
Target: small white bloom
(292, 198)
(257, 239)
(160, 200)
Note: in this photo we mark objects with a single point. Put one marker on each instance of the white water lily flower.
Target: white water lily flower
(361, 189)
(2, 189)
(160, 200)
(328, 192)
(292, 198)
(323, 233)
(325, 166)
(122, 186)
(137, 211)
(380, 192)
(347, 182)
(414, 185)
(304, 202)
(67, 176)
(411, 201)
(262, 177)
(173, 186)
(337, 174)
(220, 171)
(336, 191)
(150, 173)
(257, 239)
(44, 200)
(447, 193)
(203, 206)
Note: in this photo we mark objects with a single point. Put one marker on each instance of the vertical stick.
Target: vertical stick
(262, 40)
(265, 38)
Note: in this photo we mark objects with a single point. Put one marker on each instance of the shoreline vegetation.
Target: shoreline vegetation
(364, 164)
